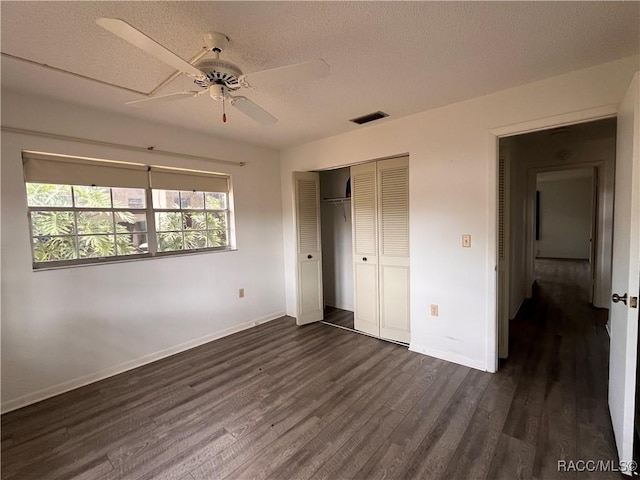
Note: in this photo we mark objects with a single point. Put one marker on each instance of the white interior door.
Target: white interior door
(393, 244)
(503, 257)
(365, 251)
(309, 262)
(625, 273)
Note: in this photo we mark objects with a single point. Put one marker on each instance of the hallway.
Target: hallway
(559, 350)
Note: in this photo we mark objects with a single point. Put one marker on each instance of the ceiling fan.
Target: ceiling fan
(213, 75)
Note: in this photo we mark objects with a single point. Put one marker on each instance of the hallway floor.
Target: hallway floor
(559, 350)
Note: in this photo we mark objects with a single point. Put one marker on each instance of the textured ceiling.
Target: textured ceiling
(399, 57)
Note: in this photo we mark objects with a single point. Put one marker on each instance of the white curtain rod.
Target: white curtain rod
(133, 148)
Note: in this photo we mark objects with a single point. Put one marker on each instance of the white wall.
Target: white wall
(453, 191)
(62, 328)
(565, 218)
(337, 251)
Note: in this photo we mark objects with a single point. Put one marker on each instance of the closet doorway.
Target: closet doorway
(337, 247)
(364, 219)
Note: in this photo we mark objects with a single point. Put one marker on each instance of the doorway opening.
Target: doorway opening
(555, 264)
(337, 247)
(566, 228)
(555, 217)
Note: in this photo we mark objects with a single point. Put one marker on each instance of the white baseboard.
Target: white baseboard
(449, 357)
(48, 392)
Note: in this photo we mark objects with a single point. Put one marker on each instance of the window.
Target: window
(190, 220)
(81, 222)
(88, 211)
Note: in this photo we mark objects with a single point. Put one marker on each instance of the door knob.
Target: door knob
(364, 259)
(309, 256)
(617, 298)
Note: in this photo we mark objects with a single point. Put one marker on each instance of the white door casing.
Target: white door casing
(393, 248)
(365, 249)
(625, 272)
(309, 254)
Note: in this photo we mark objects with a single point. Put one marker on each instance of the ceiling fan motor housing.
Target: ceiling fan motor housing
(218, 71)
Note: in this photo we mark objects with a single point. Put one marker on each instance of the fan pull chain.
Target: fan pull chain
(224, 113)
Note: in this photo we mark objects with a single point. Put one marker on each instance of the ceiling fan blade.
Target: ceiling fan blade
(298, 72)
(163, 99)
(135, 37)
(253, 111)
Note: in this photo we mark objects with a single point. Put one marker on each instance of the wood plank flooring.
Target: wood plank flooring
(317, 402)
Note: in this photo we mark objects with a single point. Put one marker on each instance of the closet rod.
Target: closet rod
(133, 148)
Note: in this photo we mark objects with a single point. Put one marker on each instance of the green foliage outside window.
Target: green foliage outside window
(183, 229)
(69, 235)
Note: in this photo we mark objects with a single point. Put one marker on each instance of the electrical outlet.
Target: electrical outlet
(241, 293)
(434, 310)
(466, 240)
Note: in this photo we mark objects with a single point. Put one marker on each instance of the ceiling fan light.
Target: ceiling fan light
(217, 92)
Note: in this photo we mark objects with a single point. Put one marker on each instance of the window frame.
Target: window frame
(182, 210)
(149, 212)
(75, 235)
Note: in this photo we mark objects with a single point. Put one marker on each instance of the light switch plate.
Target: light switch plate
(434, 310)
(466, 240)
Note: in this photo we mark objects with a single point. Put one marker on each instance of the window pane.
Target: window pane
(130, 245)
(166, 221)
(194, 221)
(217, 220)
(48, 195)
(140, 223)
(217, 238)
(92, 246)
(192, 200)
(130, 222)
(49, 249)
(52, 223)
(166, 199)
(169, 241)
(95, 222)
(129, 198)
(195, 239)
(216, 201)
(99, 197)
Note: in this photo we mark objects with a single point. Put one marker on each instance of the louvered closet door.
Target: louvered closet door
(393, 241)
(365, 252)
(309, 268)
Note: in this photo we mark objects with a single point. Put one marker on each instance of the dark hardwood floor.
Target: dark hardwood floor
(286, 402)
